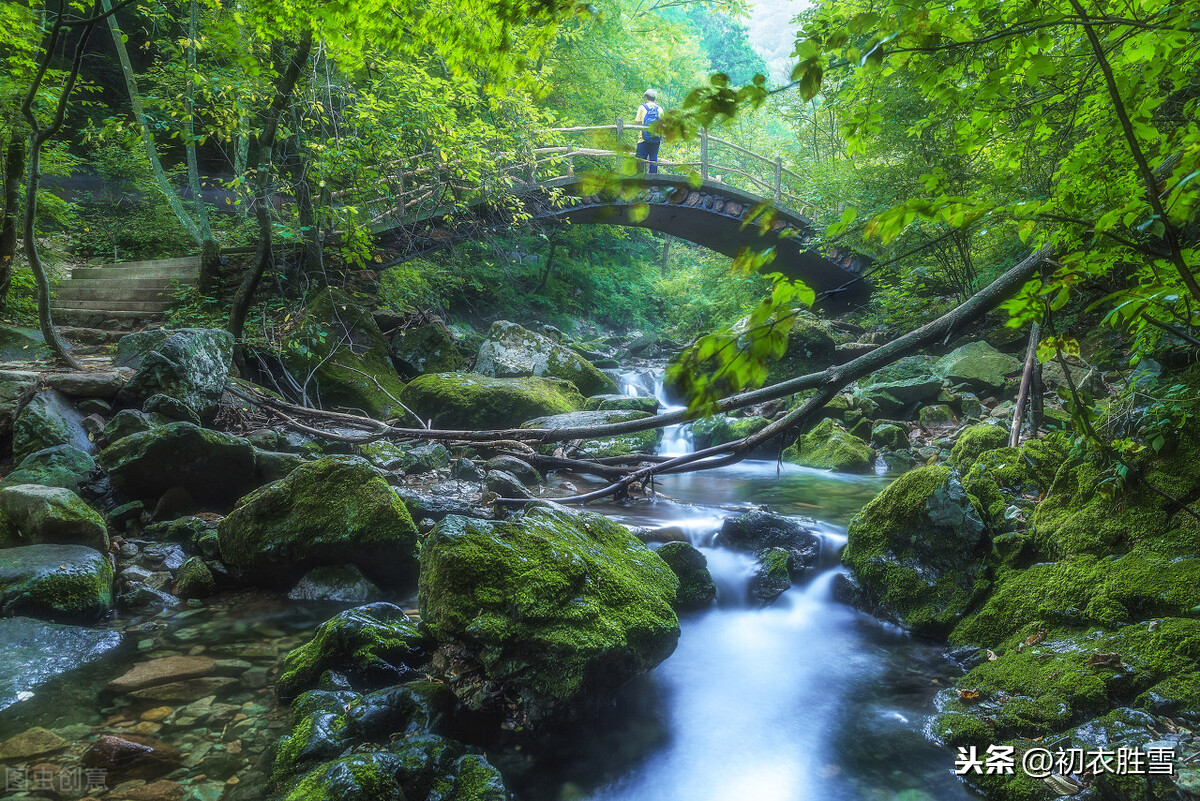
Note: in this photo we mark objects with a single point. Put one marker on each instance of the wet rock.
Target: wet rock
(918, 551)
(170, 409)
(772, 577)
(466, 470)
(59, 466)
(937, 417)
(444, 498)
(34, 742)
(889, 435)
(341, 347)
(696, 586)
(127, 422)
(273, 465)
(47, 420)
(16, 388)
(525, 472)
(183, 691)
(190, 365)
(505, 485)
(722, 428)
(611, 403)
(418, 707)
(475, 402)
(758, 530)
(22, 345)
(314, 701)
(161, 790)
(194, 579)
(56, 582)
(977, 364)
(332, 511)
(130, 757)
(163, 671)
(317, 737)
(615, 445)
(424, 349)
(341, 583)
(596, 611)
(36, 651)
(52, 515)
(105, 384)
(831, 447)
(511, 351)
(147, 599)
(358, 777)
(213, 467)
(374, 645)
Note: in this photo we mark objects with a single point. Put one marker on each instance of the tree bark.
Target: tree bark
(1014, 434)
(14, 170)
(261, 166)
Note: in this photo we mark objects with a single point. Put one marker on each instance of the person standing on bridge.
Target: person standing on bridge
(647, 149)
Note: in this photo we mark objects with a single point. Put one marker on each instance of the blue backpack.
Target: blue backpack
(652, 115)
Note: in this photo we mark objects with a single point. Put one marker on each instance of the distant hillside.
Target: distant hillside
(773, 34)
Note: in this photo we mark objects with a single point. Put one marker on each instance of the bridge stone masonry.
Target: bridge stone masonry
(698, 206)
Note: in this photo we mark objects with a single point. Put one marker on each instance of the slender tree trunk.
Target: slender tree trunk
(262, 158)
(1014, 434)
(14, 170)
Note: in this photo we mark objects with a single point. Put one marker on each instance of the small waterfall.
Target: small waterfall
(677, 439)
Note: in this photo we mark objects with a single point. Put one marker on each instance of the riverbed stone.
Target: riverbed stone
(470, 401)
(64, 583)
(52, 515)
(374, 645)
(340, 583)
(891, 435)
(758, 530)
(212, 466)
(978, 365)
(49, 419)
(427, 348)
(512, 351)
(58, 466)
(99, 384)
(190, 365)
(524, 471)
(31, 743)
(919, 552)
(772, 577)
(829, 446)
(36, 651)
(194, 579)
(559, 639)
(331, 511)
(339, 344)
(163, 670)
(696, 586)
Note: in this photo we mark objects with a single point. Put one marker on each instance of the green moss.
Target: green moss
(773, 576)
(425, 349)
(889, 435)
(975, 440)
(358, 777)
(317, 737)
(60, 466)
(194, 579)
(58, 582)
(831, 447)
(511, 351)
(334, 510)
(696, 586)
(915, 549)
(472, 402)
(559, 609)
(722, 428)
(372, 640)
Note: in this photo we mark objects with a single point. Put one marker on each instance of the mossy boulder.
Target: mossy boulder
(16, 388)
(213, 467)
(772, 577)
(615, 445)
(696, 586)
(978, 365)
(412, 708)
(22, 345)
(471, 401)
(1002, 479)
(66, 583)
(194, 579)
(427, 348)
(889, 435)
(331, 511)
(373, 646)
(973, 441)
(339, 344)
(511, 351)
(559, 610)
(759, 530)
(49, 419)
(190, 365)
(830, 447)
(609, 403)
(918, 551)
(810, 347)
(58, 466)
(338, 583)
(722, 428)
(316, 738)
(52, 515)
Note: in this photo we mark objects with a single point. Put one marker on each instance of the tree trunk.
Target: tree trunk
(1014, 434)
(262, 158)
(14, 170)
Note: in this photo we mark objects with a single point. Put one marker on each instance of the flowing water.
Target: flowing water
(805, 700)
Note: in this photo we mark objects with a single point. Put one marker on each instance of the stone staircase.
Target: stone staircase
(122, 295)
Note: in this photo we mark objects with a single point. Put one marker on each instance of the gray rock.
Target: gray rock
(772, 577)
(506, 485)
(16, 388)
(188, 364)
(47, 420)
(758, 530)
(341, 583)
(511, 351)
(104, 384)
(22, 345)
(65, 583)
(528, 475)
(59, 466)
(52, 515)
(977, 364)
(36, 651)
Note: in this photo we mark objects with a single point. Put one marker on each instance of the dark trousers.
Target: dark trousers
(648, 151)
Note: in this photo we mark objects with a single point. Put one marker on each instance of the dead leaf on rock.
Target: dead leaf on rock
(1105, 660)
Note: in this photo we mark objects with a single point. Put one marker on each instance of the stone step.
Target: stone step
(107, 319)
(122, 283)
(188, 274)
(115, 294)
(152, 306)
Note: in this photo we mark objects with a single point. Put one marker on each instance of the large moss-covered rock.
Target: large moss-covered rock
(758, 530)
(22, 345)
(213, 467)
(424, 349)
(831, 447)
(332, 511)
(772, 577)
(341, 347)
(977, 364)
(696, 586)
(66, 583)
(918, 551)
(52, 515)
(471, 401)
(510, 351)
(615, 445)
(372, 646)
(605, 403)
(16, 388)
(190, 365)
(47, 420)
(58, 466)
(974, 441)
(722, 428)
(558, 609)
